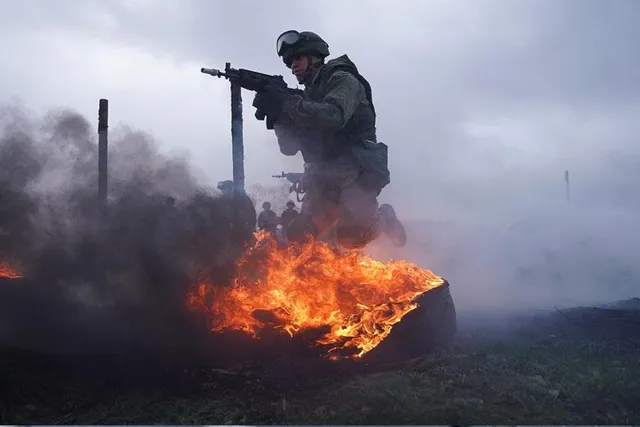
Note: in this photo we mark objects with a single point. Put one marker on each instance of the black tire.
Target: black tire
(429, 327)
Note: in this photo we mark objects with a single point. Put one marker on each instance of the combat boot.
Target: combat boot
(391, 225)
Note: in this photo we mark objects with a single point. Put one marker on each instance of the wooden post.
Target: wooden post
(237, 139)
(103, 126)
(237, 142)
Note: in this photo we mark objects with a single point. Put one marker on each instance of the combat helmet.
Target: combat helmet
(292, 43)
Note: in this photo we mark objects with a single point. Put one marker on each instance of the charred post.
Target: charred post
(103, 126)
(237, 142)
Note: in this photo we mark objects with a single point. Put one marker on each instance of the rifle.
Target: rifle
(294, 178)
(250, 80)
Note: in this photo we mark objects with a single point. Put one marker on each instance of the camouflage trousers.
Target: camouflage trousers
(337, 193)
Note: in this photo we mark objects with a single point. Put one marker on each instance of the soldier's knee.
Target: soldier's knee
(356, 236)
(358, 205)
(301, 229)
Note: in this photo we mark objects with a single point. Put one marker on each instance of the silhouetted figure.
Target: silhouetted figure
(288, 215)
(268, 220)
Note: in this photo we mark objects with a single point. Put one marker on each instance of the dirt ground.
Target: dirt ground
(577, 366)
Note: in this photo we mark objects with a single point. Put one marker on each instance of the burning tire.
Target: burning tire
(343, 305)
(429, 327)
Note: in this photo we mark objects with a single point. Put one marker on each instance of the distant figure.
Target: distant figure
(241, 211)
(268, 219)
(226, 187)
(287, 216)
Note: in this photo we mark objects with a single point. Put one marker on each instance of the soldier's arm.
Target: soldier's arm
(288, 135)
(344, 94)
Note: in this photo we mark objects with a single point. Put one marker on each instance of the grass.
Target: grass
(555, 376)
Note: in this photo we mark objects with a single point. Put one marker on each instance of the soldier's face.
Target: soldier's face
(299, 65)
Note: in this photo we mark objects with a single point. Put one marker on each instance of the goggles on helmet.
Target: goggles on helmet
(289, 38)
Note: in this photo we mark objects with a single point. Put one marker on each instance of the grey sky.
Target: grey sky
(483, 103)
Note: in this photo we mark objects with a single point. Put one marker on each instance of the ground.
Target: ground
(577, 366)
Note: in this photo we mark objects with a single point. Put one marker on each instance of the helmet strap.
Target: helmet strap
(311, 67)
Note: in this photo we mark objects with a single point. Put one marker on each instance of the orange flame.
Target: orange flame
(356, 297)
(8, 272)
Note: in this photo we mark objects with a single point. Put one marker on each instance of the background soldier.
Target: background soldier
(288, 215)
(241, 212)
(268, 219)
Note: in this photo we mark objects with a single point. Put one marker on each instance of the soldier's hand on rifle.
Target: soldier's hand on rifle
(270, 101)
(261, 115)
(303, 182)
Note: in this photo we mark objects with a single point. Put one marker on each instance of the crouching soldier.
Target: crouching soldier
(333, 125)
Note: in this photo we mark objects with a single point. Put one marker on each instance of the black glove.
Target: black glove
(260, 115)
(257, 102)
(270, 101)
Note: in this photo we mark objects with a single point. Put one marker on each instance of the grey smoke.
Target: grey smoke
(96, 283)
(552, 256)
(118, 284)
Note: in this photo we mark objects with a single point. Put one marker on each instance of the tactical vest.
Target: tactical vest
(361, 126)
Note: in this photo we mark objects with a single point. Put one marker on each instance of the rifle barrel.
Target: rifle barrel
(212, 72)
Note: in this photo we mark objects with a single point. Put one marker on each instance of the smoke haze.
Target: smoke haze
(95, 282)
(484, 105)
(556, 257)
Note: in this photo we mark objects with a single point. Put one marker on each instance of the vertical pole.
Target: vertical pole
(237, 143)
(103, 126)
(566, 181)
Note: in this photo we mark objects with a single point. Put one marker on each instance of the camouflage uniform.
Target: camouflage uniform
(287, 216)
(332, 124)
(268, 219)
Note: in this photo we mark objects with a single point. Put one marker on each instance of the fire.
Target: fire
(8, 272)
(356, 298)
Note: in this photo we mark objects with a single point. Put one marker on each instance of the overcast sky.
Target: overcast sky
(480, 101)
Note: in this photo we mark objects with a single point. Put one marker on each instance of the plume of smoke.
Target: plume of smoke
(97, 282)
(563, 257)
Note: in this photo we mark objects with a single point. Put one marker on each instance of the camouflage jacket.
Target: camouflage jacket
(334, 113)
(287, 216)
(268, 220)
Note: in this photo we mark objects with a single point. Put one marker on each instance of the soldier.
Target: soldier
(241, 211)
(332, 123)
(268, 219)
(288, 215)
(226, 187)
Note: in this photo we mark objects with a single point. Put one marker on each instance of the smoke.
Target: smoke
(116, 281)
(559, 256)
(95, 280)
(278, 195)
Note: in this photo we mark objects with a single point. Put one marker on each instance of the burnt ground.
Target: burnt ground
(577, 366)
